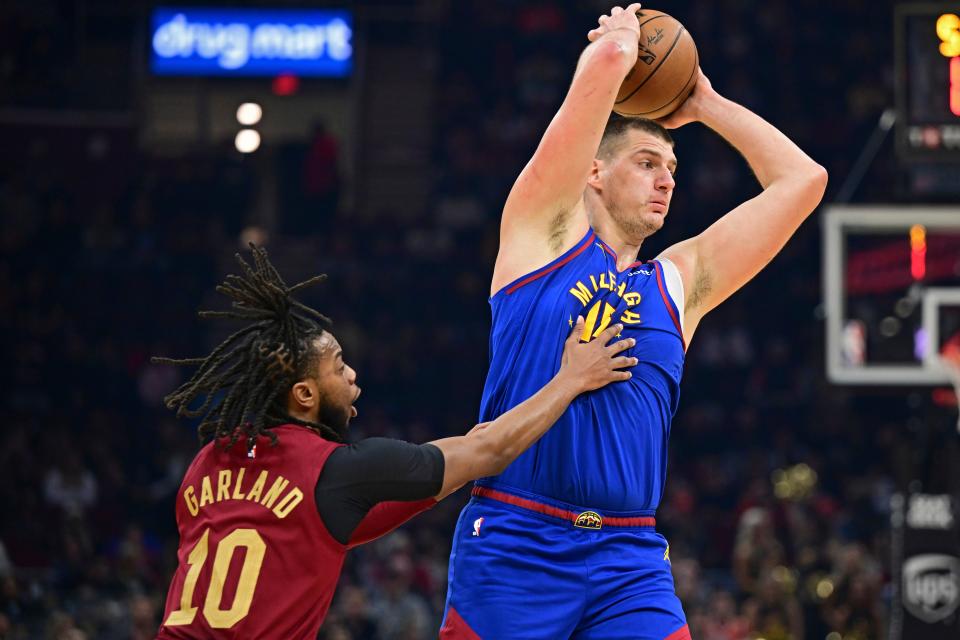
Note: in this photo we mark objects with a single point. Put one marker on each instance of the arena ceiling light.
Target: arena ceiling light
(247, 141)
(249, 113)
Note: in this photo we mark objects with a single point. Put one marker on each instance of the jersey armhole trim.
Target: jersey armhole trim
(674, 284)
(675, 310)
(324, 531)
(572, 253)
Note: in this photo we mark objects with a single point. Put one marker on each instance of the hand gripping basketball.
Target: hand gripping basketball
(595, 364)
(667, 65)
(618, 18)
(689, 110)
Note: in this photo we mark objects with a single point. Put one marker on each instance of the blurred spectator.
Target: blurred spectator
(355, 614)
(402, 614)
(774, 612)
(71, 487)
(757, 551)
(722, 621)
(320, 185)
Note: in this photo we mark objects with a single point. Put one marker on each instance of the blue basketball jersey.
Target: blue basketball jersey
(608, 451)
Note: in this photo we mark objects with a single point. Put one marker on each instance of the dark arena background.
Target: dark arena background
(814, 465)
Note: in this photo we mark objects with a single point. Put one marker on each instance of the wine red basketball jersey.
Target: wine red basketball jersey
(255, 560)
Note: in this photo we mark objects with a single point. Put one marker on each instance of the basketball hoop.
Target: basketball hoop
(950, 361)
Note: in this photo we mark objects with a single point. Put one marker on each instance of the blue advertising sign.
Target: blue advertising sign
(251, 42)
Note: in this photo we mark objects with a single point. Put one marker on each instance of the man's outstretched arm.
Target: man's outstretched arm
(368, 489)
(730, 252)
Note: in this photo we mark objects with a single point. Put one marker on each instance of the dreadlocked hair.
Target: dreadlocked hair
(257, 365)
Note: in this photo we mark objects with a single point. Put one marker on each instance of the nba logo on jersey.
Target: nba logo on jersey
(252, 453)
(476, 526)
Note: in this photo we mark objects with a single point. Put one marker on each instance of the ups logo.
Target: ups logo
(589, 520)
(931, 586)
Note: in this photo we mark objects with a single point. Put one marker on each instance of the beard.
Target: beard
(636, 226)
(334, 416)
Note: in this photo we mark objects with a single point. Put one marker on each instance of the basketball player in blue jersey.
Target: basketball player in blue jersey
(562, 544)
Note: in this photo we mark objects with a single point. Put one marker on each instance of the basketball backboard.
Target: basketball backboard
(891, 278)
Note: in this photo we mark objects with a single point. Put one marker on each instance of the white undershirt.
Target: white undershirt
(674, 283)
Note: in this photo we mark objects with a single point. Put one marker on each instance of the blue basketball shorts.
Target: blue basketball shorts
(527, 568)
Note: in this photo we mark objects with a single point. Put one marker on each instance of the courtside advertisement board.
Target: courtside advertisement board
(926, 567)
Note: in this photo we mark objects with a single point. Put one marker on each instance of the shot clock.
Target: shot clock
(928, 81)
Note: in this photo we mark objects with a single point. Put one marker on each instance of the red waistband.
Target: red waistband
(581, 520)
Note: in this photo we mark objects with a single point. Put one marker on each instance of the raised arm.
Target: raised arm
(717, 262)
(541, 217)
(488, 448)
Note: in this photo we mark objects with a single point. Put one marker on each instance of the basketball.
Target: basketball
(665, 72)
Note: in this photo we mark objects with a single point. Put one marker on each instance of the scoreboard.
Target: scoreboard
(927, 49)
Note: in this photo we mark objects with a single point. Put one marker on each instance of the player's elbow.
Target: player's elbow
(818, 178)
(811, 185)
(818, 182)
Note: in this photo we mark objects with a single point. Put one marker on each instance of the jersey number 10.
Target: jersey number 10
(216, 617)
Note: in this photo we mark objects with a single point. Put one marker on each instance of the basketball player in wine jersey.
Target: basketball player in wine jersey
(569, 547)
(269, 508)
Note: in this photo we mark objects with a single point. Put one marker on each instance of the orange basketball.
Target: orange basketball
(665, 72)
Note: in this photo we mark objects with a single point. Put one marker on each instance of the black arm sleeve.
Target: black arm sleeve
(358, 476)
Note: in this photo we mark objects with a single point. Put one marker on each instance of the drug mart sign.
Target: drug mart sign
(251, 42)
